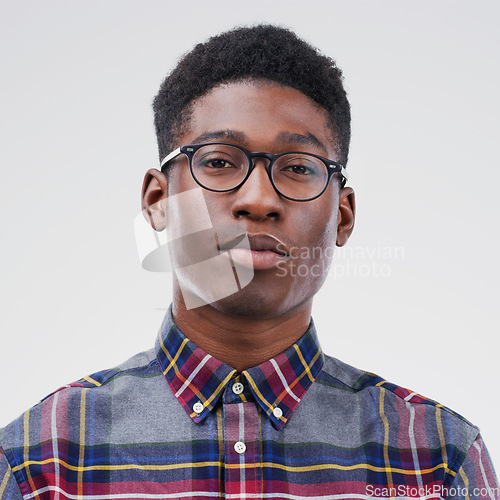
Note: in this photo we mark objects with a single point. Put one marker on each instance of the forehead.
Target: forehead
(260, 115)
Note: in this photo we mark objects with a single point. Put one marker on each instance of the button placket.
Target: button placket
(241, 448)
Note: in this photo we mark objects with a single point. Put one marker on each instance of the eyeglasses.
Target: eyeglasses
(295, 175)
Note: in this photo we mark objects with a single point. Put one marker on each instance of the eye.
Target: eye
(298, 169)
(217, 163)
(213, 161)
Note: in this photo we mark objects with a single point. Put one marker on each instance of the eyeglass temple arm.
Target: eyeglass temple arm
(170, 156)
(343, 172)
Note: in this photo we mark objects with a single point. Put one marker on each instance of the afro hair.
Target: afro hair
(260, 52)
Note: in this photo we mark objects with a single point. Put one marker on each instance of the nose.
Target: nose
(257, 198)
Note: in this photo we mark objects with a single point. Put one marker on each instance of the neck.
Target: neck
(241, 342)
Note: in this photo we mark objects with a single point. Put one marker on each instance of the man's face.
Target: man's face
(266, 117)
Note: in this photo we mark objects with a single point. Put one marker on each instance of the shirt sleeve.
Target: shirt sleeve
(476, 479)
(9, 490)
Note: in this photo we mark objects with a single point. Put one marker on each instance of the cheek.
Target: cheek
(329, 236)
(321, 226)
(315, 237)
(217, 204)
(322, 247)
(180, 178)
(323, 237)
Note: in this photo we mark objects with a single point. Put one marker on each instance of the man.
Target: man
(237, 399)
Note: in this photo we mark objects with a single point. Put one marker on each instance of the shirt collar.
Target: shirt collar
(198, 380)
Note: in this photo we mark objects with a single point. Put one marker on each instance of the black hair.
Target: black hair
(260, 52)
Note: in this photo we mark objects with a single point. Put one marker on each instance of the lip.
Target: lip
(266, 251)
(261, 242)
(231, 243)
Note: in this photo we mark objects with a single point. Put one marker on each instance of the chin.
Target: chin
(267, 295)
(258, 302)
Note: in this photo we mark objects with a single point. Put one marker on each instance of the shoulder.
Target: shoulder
(396, 415)
(336, 372)
(139, 366)
(64, 404)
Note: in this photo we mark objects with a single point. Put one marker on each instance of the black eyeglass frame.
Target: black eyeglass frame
(332, 167)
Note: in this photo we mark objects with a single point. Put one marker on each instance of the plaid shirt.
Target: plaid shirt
(174, 422)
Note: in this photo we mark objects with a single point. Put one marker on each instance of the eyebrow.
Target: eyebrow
(302, 139)
(283, 137)
(220, 134)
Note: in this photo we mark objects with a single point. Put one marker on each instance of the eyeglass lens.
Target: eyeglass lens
(296, 175)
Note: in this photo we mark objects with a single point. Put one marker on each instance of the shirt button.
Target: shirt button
(198, 407)
(277, 412)
(238, 388)
(240, 447)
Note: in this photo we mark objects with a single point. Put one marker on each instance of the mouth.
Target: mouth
(259, 251)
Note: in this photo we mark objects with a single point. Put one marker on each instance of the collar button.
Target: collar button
(238, 388)
(278, 412)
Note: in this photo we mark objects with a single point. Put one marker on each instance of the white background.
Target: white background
(77, 82)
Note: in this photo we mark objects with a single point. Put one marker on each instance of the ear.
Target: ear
(345, 216)
(154, 198)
